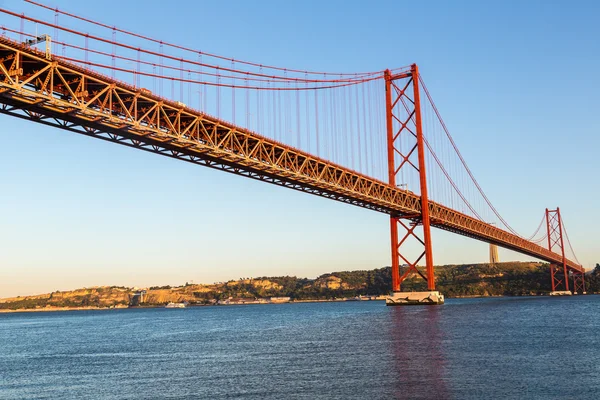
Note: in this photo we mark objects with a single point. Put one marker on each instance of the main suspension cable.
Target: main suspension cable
(463, 160)
(179, 59)
(569, 242)
(179, 47)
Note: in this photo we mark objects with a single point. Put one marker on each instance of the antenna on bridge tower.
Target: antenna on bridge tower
(403, 120)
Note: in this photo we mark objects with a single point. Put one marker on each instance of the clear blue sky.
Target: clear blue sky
(515, 81)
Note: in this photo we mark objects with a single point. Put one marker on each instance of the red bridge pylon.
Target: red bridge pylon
(403, 120)
(560, 274)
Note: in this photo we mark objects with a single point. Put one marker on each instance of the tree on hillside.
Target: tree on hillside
(593, 280)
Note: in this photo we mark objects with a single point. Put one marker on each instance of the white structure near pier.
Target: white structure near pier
(414, 298)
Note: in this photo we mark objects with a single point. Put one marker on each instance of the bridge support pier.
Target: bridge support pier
(560, 293)
(406, 151)
(414, 298)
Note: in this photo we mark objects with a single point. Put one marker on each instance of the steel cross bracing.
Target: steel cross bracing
(400, 125)
(60, 94)
(560, 279)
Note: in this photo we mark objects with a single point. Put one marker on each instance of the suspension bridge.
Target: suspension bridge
(371, 139)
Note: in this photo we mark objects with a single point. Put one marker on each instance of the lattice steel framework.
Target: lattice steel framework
(64, 95)
(403, 118)
(558, 273)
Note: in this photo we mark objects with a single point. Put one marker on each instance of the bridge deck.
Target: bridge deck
(58, 93)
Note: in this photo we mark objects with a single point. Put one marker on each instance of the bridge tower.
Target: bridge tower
(560, 274)
(404, 125)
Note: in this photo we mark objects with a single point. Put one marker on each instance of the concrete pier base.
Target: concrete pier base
(414, 298)
(561, 293)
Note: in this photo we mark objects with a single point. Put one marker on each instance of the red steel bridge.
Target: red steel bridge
(372, 139)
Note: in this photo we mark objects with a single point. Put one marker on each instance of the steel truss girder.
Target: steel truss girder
(61, 94)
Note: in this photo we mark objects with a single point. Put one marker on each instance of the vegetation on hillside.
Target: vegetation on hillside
(593, 280)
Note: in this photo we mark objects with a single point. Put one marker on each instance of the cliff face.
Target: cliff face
(102, 296)
(331, 282)
(508, 279)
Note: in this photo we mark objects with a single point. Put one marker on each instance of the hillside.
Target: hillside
(503, 279)
(87, 297)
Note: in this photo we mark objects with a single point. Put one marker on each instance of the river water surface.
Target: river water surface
(497, 348)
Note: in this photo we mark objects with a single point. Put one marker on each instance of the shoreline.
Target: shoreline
(121, 307)
(88, 308)
(55, 309)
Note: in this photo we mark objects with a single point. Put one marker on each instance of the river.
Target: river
(494, 348)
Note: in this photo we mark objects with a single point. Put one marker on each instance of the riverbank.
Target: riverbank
(454, 281)
(53, 309)
(121, 307)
